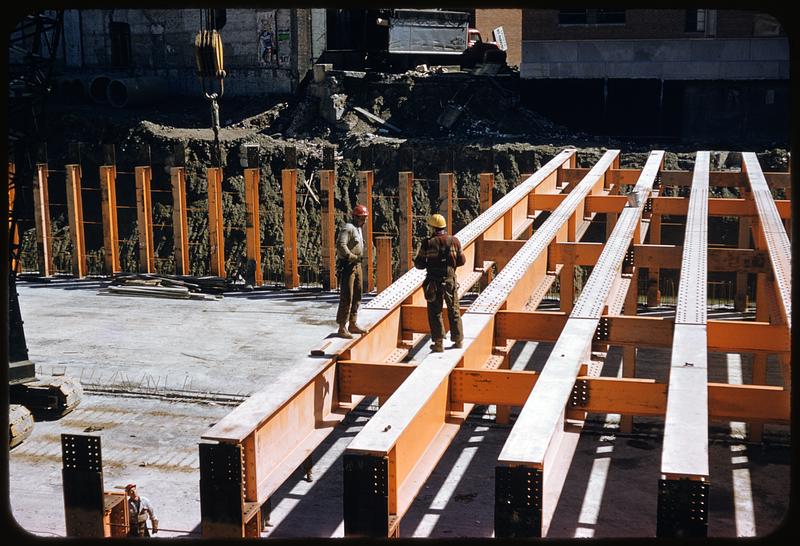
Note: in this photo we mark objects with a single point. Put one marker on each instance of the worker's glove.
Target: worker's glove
(354, 260)
(155, 528)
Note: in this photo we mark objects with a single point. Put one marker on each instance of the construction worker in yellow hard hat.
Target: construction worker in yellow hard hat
(349, 251)
(440, 255)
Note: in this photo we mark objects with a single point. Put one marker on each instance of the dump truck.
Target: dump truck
(437, 37)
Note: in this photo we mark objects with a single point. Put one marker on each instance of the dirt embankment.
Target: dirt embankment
(491, 132)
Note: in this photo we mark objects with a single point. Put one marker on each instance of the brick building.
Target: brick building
(266, 50)
(486, 20)
(660, 72)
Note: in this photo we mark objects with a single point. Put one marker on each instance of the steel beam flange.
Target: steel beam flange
(682, 508)
(518, 502)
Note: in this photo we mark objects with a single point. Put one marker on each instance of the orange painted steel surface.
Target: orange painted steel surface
(252, 177)
(447, 183)
(41, 215)
(486, 181)
(423, 403)
(144, 217)
(216, 230)
(75, 214)
(108, 193)
(366, 180)
(405, 223)
(180, 224)
(291, 272)
(327, 197)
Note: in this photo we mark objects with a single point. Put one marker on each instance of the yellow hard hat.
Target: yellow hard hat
(437, 221)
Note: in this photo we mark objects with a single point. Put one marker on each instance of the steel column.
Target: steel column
(180, 224)
(41, 214)
(445, 208)
(327, 197)
(75, 213)
(108, 193)
(486, 188)
(82, 476)
(252, 177)
(384, 274)
(291, 274)
(405, 223)
(365, 182)
(144, 217)
(216, 230)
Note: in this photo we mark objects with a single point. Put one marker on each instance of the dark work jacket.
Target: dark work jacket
(440, 255)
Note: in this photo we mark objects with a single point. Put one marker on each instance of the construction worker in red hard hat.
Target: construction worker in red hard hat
(440, 255)
(139, 510)
(349, 252)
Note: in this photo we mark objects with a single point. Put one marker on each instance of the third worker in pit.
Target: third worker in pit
(440, 255)
(349, 252)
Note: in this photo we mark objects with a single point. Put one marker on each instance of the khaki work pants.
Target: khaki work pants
(446, 292)
(349, 295)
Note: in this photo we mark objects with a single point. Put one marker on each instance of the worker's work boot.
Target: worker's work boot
(458, 344)
(354, 329)
(437, 346)
(344, 333)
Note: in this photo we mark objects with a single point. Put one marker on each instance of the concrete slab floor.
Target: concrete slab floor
(160, 372)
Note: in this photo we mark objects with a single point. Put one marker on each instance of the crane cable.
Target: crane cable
(210, 66)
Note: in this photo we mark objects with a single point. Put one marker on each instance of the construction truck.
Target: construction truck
(438, 37)
(32, 49)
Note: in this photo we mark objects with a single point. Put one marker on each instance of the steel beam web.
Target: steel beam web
(685, 447)
(536, 432)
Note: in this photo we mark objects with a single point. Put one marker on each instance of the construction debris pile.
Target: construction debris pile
(168, 286)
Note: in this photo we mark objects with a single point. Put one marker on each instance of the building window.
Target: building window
(695, 20)
(591, 17)
(120, 35)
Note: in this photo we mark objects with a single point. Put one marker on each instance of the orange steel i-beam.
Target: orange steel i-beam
(144, 217)
(486, 189)
(216, 232)
(446, 185)
(273, 431)
(539, 449)
(41, 215)
(180, 224)
(405, 222)
(291, 273)
(327, 197)
(683, 486)
(399, 447)
(384, 273)
(365, 182)
(252, 177)
(75, 214)
(108, 196)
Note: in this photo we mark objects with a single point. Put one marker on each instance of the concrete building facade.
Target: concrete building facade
(683, 73)
(265, 50)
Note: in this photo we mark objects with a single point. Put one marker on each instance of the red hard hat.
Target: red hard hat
(360, 210)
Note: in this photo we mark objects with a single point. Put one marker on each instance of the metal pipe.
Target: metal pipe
(98, 88)
(135, 91)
